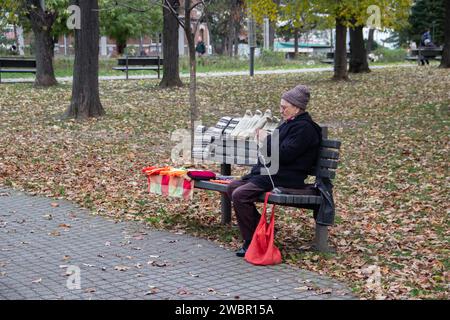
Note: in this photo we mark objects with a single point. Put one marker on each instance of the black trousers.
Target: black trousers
(244, 194)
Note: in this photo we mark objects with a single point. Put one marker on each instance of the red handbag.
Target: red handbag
(262, 250)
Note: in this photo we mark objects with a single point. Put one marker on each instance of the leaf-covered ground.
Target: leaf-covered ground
(391, 189)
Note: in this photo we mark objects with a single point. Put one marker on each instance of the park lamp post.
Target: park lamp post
(252, 43)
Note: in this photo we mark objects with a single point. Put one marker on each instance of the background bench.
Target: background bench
(324, 169)
(330, 58)
(425, 53)
(17, 65)
(139, 63)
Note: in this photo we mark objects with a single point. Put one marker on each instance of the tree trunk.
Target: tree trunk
(55, 40)
(237, 31)
(272, 27)
(171, 65)
(296, 42)
(121, 45)
(16, 40)
(445, 63)
(42, 23)
(141, 45)
(193, 72)
(230, 37)
(232, 28)
(20, 41)
(370, 41)
(272, 36)
(223, 48)
(240, 17)
(192, 89)
(340, 54)
(358, 54)
(85, 94)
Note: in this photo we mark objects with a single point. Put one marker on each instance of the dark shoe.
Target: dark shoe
(241, 252)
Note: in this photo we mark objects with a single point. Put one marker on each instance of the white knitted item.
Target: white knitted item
(271, 124)
(242, 125)
(248, 131)
(262, 123)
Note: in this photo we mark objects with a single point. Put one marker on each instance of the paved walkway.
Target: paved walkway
(43, 242)
(211, 74)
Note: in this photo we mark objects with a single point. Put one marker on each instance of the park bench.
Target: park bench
(127, 64)
(303, 198)
(17, 65)
(330, 58)
(426, 53)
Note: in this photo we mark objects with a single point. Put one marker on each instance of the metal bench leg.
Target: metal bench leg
(226, 209)
(225, 203)
(321, 240)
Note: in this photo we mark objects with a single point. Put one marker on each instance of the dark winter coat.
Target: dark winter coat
(299, 143)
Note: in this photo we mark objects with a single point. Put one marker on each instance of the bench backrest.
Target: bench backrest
(245, 152)
(17, 63)
(140, 61)
(427, 52)
(330, 55)
(328, 160)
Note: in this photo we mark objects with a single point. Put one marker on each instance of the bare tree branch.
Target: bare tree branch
(123, 5)
(174, 13)
(195, 5)
(199, 21)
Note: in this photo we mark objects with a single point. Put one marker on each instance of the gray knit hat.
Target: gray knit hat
(299, 96)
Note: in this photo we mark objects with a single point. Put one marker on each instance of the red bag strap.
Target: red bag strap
(266, 201)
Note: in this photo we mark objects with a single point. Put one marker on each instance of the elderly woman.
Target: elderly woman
(299, 142)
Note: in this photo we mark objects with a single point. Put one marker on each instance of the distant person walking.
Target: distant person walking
(426, 38)
(425, 42)
(200, 48)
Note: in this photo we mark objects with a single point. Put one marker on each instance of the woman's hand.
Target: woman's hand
(261, 135)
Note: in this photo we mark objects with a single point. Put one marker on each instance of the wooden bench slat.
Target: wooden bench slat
(220, 158)
(291, 200)
(140, 61)
(326, 163)
(252, 145)
(329, 154)
(251, 159)
(335, 144)
(323, 173)
(284, 199)
(18, 70)
(239, 152)
(135, 68)
(238, 143)
(17, 63)
(211, 186)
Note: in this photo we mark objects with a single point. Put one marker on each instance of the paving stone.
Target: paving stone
(32, 250)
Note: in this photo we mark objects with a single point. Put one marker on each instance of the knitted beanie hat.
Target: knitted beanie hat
(299, 96)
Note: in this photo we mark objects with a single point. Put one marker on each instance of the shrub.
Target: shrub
(270, 58)
(390, 55)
